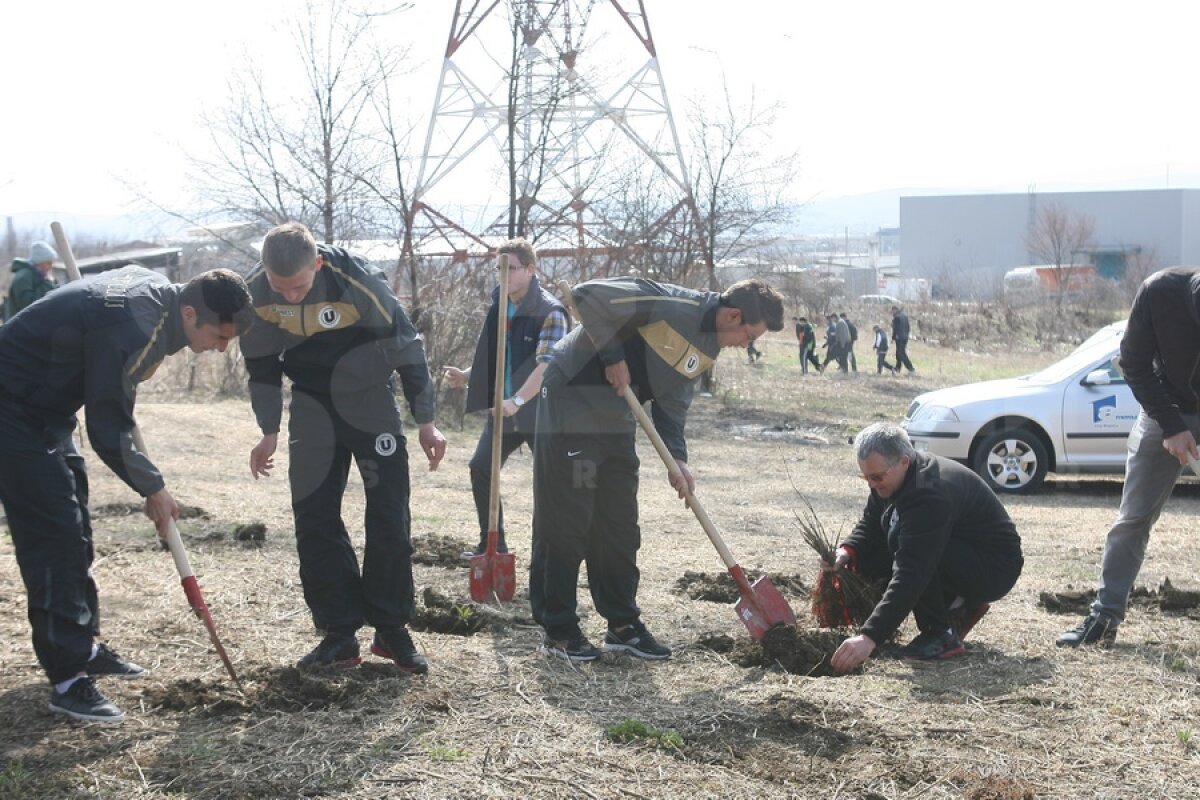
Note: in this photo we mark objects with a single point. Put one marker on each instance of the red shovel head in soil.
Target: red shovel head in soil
(493, 574)
(761, 606)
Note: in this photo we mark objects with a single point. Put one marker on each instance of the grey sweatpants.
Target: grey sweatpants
(1150, 475)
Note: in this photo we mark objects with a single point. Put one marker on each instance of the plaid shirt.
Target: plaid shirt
(553, 329)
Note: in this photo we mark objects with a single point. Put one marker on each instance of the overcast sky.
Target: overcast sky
(876, 95)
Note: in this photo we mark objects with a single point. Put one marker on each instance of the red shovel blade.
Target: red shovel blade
(493, 574)
(762, 607)
(196, 600)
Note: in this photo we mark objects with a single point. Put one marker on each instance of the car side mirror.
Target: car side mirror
(1097, 377)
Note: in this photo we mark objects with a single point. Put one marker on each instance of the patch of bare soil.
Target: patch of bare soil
(126, 509)
(720, 587)
(435, 550)
(762, 744)
(254, 533)
(283, 689)
(1167, 597)
(801, 651)
(996, 787)
(464, 617)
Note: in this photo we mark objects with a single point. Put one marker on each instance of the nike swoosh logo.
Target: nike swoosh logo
(573, 453)
(52, 451)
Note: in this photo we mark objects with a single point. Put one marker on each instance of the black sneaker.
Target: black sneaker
(965, 617)
(636, 640)
(1096, 629)
(932, 646)
(335, 650)
(481, 549)
(396, 644)
(575, 648)
(107, 662)
(83, 701)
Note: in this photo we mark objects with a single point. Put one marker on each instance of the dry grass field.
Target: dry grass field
(1015, 717)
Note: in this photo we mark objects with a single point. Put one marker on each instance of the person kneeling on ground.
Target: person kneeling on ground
(940, 537)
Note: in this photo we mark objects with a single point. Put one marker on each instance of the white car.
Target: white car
(1073, 416)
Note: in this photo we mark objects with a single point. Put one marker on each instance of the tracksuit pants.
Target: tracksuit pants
(324, 435)
(585, 484)
(44, 489)
(481, 474)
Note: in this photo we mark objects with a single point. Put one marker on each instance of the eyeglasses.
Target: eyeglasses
(877, 477)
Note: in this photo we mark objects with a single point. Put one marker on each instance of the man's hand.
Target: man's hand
(683, 483)
(509, 408)
(262, 459)
(161, 508)
(456, 377)
(852, 652)
(433, 443)
(617, 375)
(840, 559)
(1183, 446)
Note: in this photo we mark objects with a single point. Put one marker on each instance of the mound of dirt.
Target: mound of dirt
(720, 588)
(801, 651)
(463, 617)
(439, 551)
(254, 533)
(994, 787)
(1079, 601)
(285, 689)
(126, 509)
(1173, 598)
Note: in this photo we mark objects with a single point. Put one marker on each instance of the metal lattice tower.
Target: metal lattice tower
(547, 112)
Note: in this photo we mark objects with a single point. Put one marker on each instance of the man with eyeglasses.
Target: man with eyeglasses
(940, 537)
(536, 321)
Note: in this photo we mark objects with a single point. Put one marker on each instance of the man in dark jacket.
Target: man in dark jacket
(939, 536)
(900, 331)
(339, 334)
(1160, 352)
(655, 340)
(807, 338)
(88, 345)
(31, 279)
(536, 321)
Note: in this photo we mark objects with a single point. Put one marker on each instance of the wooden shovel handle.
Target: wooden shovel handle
(64, 250)
(498, 395)
(669, 462)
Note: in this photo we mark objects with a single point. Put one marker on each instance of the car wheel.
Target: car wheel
(1012, 461)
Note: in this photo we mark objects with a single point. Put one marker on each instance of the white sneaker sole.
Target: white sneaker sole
(570, 659)
(633, 651)
(86, 717)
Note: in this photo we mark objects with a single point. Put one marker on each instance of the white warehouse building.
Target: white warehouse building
(965, 243)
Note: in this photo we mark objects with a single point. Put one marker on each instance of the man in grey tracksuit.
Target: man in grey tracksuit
(655, 339)
(1160, 358)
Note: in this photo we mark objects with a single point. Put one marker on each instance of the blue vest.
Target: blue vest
(523, 334)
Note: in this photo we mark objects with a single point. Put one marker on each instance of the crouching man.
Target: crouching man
(88, 345)
(939, 536)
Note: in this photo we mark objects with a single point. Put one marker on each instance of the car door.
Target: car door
(1098, 412)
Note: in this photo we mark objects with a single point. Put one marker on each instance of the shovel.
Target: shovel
(494, 574)
(191, 588)
(195, 597)
(761, 606)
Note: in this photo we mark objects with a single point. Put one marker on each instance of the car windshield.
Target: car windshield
(1098, 354)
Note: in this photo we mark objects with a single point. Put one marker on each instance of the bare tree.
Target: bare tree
(740, 189)
(1060, 238)
(301, 157)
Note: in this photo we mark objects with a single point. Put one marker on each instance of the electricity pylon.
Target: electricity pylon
(551, 121)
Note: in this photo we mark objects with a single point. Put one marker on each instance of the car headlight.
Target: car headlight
(932, 414)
